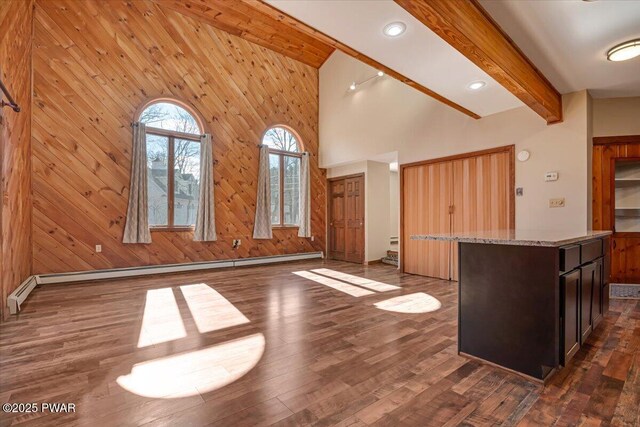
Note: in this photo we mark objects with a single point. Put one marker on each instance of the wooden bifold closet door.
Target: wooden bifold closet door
(465, 193)
(346, 218)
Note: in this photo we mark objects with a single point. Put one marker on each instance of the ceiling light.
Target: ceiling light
(352, 86)
(624, 51)
(477, 85)
(395, 29)
(380, 73)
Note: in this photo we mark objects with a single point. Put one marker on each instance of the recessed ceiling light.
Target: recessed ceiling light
(395, 29)
(380, 73)
(624, 51)
(476, 85)
(352, 86)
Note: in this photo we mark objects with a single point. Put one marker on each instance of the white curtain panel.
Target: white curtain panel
(305, 198)
(136, 229)
(262, 226)
(205, 230)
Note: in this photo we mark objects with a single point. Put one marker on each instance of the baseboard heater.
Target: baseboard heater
(18, 296)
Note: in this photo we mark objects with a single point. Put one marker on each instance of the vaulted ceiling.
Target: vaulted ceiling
(448, 44)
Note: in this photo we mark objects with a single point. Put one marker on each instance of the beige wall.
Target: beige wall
(394, 204)
(616, 116)
(386, 115)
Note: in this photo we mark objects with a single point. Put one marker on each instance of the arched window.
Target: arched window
(284, 164)
(173, 132)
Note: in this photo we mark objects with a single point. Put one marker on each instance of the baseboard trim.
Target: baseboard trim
(20, 294)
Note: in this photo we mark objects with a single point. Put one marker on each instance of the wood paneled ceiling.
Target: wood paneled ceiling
(269, 27)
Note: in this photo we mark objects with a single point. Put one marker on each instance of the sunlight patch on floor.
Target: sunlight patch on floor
(161, 321)
(418, 302)
(210, 310)
(195, 372)
(355, 280)
(354, 291)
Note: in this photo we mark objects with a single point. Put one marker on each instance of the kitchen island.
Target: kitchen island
(528, 300)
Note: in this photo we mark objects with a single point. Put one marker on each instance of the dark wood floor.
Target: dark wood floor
(328, 358)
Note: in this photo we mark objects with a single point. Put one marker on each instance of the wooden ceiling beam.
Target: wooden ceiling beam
(241, 19)
(466, 26)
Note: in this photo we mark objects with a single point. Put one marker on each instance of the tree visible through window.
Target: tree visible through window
(284, 165)
(173, 165)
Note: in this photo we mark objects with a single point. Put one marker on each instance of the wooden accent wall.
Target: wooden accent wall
(625, 247)
(16, 19)
(95, 63)
(458, 194)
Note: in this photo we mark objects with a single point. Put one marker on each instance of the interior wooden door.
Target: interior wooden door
(625, 245)
(354, 241)
(346, 218)
(337, 223)
(426, 198)
(482, 196)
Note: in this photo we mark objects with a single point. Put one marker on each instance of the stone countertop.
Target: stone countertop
(518, 237)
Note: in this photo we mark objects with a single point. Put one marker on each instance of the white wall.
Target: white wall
(386, 115)
(394, 204)
(616, 116)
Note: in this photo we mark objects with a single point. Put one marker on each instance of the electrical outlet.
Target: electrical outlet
(313, 238)
(556, 203)
(236, 243)
(98, 248)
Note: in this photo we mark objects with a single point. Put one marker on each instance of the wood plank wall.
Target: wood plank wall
(95, 62)
(16, 19)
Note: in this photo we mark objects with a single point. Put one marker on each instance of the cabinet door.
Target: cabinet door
(598, 290)
(569, 319)
(586, 300)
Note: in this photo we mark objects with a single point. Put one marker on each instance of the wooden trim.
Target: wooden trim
(190, 108)
(171, 229)
(511, 149)
(467, 27)
(170, 181)
(294, 23)
(353, 175)
(171, 133)
(501, 149)
(290, 130)
(624, 139)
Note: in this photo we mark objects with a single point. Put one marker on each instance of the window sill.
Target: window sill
(183, 229)
(284, 227)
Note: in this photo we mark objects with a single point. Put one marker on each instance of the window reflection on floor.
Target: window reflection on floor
(161, 321)
(195, 372)
(418, 302)
(354, 291)
(210, 310)
(192, 372)
(355, 280)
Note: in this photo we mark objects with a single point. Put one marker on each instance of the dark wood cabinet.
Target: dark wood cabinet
(584, 293)
(570, 315)
(587, 273)
(597, 310)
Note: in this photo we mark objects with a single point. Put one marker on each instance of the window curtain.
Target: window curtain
(136, 229)
(262, 226)
(205, 230)
(305, 198)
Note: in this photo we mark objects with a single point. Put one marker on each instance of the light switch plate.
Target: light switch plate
(98, 248)
(551, 176)
(556, 203)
